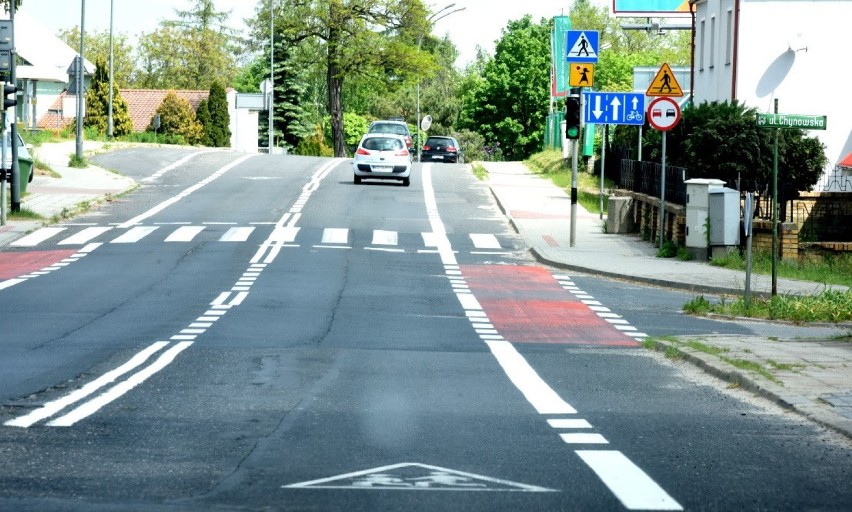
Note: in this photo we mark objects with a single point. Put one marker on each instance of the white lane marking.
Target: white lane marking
(237, 234)
(10, 282)
(184, 233)
(632, 486)
(37, 237)
(169, 167)
(584, 438)
(569, 423)
(381, 237)
(531, 385)
(284, 235)
(469, 302)
(51, 408)
(484, 241)
(84, 236)
(134, 235)
(336, 236)
(168, 202)
(92, 406)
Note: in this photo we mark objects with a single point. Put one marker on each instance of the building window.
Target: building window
(701, 38)
(713, 41)
(729, 38)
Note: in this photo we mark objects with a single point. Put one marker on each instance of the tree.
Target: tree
(97, 105)
(364, 39)
(722, 140)
(202, 114)
(177, 119)
(96, 46)
(512, 102)
(186, 53)
(289, 118)
(217, 131)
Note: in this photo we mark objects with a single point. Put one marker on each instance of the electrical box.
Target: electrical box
(697, 214)
(724, 209)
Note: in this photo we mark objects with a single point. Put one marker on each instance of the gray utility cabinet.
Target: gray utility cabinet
(724, 209)
(697, 214)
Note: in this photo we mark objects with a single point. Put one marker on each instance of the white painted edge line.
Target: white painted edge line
(632, 486)
(92, 406)
(524, 377)
(51, 408)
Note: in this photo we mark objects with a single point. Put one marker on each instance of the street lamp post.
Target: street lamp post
(271, 91)
(109, 107)
(79, 148)
(434, 18)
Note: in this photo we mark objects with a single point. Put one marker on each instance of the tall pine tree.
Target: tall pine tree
(290, 120)
(217, 131)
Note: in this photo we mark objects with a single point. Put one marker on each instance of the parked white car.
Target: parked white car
(382, 156)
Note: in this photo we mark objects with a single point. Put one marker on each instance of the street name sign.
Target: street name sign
(803, 122)
(614, 107)
(582, 46)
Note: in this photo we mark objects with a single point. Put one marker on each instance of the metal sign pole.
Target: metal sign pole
(603, 166)
(5, 172)
(663, 195)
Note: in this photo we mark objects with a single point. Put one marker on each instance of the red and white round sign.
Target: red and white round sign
(663, 113)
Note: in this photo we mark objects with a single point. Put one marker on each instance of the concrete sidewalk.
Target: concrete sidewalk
(805, 369)
(809, 371)
(63, 196)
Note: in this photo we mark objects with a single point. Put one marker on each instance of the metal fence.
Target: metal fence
(644, 177)
(838, 180)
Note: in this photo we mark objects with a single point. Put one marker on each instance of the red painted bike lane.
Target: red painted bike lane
(14, 264)
(528, 305)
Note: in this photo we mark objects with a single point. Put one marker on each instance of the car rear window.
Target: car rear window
(382, 144)
(398, 129)
(439, 141)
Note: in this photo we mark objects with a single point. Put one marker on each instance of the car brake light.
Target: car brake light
(426, 148)
(451, 149)
(401, 152)
(362, 151)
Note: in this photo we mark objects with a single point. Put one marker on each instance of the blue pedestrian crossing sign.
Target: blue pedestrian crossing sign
(582, 46)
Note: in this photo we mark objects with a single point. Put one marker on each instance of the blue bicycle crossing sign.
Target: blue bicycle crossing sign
(614, 107)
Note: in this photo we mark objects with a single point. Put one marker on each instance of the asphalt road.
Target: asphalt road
(259, 333)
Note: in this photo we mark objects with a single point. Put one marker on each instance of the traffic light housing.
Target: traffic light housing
(572, 117)
(7, 90)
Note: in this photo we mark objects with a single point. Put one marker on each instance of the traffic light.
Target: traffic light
(572, 117)
(7, 90)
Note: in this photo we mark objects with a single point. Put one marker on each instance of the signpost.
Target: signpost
(663, 115)
(581, 54)
(777, 121)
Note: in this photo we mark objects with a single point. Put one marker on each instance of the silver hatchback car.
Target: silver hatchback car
(382, 156)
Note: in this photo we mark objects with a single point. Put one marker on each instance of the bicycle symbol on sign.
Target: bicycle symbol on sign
(634, 115)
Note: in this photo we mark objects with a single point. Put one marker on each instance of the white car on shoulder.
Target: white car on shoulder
(382, 156)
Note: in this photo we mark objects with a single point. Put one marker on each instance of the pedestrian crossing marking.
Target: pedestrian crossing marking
(382, 237)
(37, 237)
(583, 45)
(85, 236)
(184, 234)
(134, 235)
(381, 240)
(240, 234)
(335, 236)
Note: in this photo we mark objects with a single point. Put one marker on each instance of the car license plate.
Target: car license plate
(382, 168)
(438, 157)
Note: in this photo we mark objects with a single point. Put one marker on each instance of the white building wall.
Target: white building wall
(790, 50)
(243, 125)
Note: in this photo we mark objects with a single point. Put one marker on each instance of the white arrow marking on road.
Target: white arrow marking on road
(615, 103)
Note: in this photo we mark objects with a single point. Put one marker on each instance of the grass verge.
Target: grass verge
(549, 164)
(828, 269)
(833, 306)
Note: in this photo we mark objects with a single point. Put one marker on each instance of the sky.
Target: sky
(479, 23)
